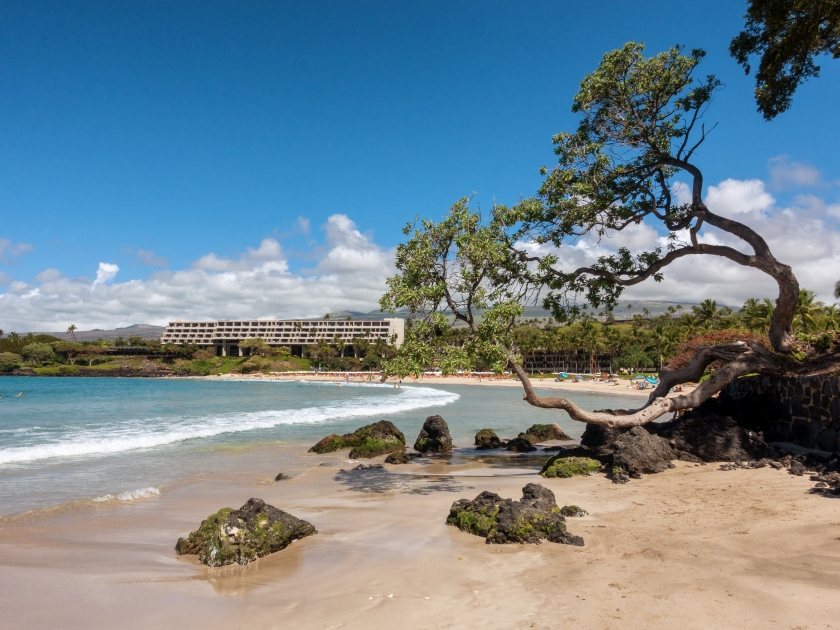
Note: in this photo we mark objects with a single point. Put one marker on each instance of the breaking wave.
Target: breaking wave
(114, 438)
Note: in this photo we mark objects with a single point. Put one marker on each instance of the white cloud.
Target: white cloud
(106, 272)
(5, 278)
(784, 173)
(9, 250)
(734, 197)
(350, 275)
(803, 234)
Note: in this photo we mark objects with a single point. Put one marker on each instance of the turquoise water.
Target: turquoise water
(68, 439)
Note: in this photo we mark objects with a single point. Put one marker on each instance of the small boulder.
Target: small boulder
(282, 477)
(534, 518)
(560, 466)
(638, 452)
(619, 475)
(434, 437)
(487, 439)
(545, 432)
(573, 511)
(520, 444)
(241, 536)
(370, 440)
(401, 457)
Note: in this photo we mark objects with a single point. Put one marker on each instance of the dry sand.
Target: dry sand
(559, 387)
(693, 547)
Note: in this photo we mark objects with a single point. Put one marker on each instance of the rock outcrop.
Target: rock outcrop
(534, 518)
(434, 437)
(639, 452)
(520, 444)
(564, 466)
(370, 440)
(486, 439)
(401, 457)
(545, 432)
(713, 438)
(241, 536)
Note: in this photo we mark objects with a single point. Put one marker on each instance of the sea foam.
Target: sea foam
(130, 495)
(120, 437)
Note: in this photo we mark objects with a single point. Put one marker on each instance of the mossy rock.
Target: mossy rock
(559, 466)
(572, 511)
(544, 432)
(374, 447)
(241, 536)
(487, 439)
(383, 431)
(534, 518)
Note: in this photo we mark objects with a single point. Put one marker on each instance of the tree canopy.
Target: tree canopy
(642, 123)
(788, 35)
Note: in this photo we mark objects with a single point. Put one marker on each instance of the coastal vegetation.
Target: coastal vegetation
(642, 125)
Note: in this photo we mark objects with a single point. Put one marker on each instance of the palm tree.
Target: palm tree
(689, 325)
(831, 317)
(71, 330)
(837, 289)
(807, 307)
(757, 315)
(708, 311)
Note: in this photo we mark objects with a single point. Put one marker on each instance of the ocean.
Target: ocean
(71, 441)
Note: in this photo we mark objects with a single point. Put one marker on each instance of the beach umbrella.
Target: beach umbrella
(639, 377)
(651, 380)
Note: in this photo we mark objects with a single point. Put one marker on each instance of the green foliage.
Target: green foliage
(559, 466)
(614, 171)
(788, 35)
(10, 361)
(452, 270)
(37, 353)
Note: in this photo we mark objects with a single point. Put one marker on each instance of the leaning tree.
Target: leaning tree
(641, 126)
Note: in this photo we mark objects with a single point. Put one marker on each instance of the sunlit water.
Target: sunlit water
(108, 439)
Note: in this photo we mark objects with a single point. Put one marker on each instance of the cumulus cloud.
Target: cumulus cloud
(350, 275)
(9, 250)
(105, 272)
(47, 275)
(803, 234)
(734, 197)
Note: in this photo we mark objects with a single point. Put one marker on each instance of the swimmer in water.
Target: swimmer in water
(20, 394)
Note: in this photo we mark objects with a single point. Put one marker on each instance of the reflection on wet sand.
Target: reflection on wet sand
(274, 569)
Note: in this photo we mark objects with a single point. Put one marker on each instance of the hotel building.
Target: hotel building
(225, 336)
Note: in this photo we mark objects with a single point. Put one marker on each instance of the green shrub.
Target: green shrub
(10, 361)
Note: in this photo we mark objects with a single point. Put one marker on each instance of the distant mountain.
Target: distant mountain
(146, 331)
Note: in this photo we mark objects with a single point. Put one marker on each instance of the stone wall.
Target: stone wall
(804, 410)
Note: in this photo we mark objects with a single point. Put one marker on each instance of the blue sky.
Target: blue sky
(181, 130)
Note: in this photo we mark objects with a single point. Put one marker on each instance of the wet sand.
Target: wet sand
(694, 547)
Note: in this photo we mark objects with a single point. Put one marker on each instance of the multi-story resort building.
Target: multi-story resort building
(225, 336)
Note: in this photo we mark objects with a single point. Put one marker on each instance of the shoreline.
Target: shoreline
(665, 550)
(540, 383)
